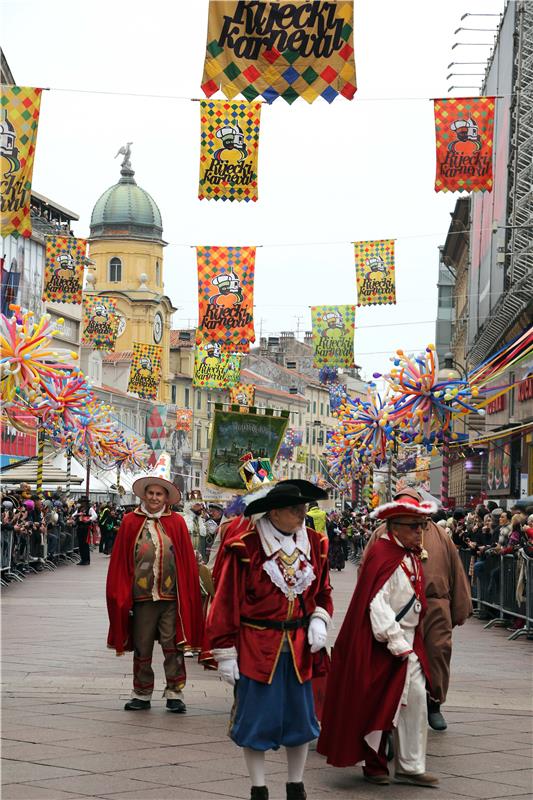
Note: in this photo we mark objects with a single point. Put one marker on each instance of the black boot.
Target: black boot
(137, 705)
(176, 705)
(259, 793)
(296, 791)
(435, 718)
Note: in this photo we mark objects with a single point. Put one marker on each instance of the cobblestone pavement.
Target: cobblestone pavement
(66, 735)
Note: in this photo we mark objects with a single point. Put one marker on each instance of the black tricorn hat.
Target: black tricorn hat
(285, 494)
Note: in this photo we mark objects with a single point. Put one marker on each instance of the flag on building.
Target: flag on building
(464, 131)
(145, 370)
(280, 49)
(183, 419)
(215, 368)
(156, 434)
(19, 121)
(100, 322)
(375, 272)
(242, 395)
(63, 269)
(226, 297)
(229, 149)
(333, 335)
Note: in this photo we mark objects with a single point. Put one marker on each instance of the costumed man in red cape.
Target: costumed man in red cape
(378, 675)
(270, 614)
(153, 591)
(449, 604)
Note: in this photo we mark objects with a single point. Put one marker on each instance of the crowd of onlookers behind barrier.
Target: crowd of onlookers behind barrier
(495, 545)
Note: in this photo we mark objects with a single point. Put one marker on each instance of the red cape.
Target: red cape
(119, 587)
(366, 681)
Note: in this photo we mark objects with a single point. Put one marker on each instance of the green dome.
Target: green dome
(126, 209)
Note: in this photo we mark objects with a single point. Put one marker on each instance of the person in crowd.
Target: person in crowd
(270, 614)
(83, 520)
(107, 520)
(377, 682)
(153, 592)
(196, 524)
(336, 555)
(449, 604)
(215, 514)
(319, 517)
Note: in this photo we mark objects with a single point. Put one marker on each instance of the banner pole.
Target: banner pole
(40, 459)
(69, 470)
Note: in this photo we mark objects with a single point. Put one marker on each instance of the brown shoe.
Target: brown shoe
(379, 780)
(422, 779)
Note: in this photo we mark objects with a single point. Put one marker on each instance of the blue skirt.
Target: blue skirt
(265, 716)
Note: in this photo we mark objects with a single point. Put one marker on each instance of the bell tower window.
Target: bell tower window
(115, 270)
(157, 274)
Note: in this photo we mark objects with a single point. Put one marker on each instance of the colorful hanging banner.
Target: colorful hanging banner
(63, 270)
(100, 321)
(333, 335)
(156, 432)
(234, 435)
(375, 272)
(183, 419)
(242, 395)
(215, 368)
(229, 147)
(226, 297)
(145, 370)
(19, 121)
(280, 49)
(464, 129)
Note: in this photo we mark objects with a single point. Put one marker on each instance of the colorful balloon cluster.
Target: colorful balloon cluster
(39, 382)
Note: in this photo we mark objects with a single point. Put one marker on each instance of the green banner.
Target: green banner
(235, 434)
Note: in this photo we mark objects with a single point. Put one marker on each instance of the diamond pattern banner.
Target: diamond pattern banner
(183, 419)
(19, 120)
(333, 335)
(229, 150)
(464, 130)
(145, 370)
(242, 395)
(215, 368)
(226, 297)
(280, 49)
(375, 272)
(63, 270)
(100, 323)
(156, 433)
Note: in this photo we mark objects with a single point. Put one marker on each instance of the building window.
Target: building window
(198, 438)
(321, 409)
(115, 270)
(173, 394)
(157, 274)
(187, 400)
(197, 480)
(307, 435)
(314, 406)
(314, 436)
(198, 400)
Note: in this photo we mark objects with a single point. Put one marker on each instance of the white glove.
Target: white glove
(228, 670)
(317, 634)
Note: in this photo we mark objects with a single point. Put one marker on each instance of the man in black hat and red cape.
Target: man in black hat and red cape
(377, 682)
(269, 616)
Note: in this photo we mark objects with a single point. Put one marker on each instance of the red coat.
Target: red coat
(366, 681)
(244, 589)
(119, 587)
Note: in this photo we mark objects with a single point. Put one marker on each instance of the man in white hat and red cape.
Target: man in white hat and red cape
(377, 682)
(153, 592)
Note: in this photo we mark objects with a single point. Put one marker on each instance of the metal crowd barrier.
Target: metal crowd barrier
(505, 585)
(22, 553)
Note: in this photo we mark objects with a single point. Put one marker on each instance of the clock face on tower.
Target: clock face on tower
(121, 324)
(158, 327)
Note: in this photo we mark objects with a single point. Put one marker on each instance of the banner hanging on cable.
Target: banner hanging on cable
(229, 149)
(280, 49)
(333, 335)
(183, 419)
(215, 368)
(145, 370)
(375, 272)
(20, 107)
(236, 435)
(156, 432)
(63, 271)
(242, 395)
(226, 297)
(464, 129)
(100, 321)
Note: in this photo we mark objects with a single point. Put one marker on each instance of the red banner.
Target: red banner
(464, 129)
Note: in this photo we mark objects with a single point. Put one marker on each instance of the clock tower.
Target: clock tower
(126, 246)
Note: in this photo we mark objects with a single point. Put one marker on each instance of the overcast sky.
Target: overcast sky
(328, 174)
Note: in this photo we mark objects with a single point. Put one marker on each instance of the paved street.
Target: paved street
(66, 735)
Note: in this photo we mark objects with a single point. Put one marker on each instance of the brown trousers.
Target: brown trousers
(438, 643)
(156, 619)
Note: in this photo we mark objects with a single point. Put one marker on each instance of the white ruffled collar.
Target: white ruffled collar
(272, 540)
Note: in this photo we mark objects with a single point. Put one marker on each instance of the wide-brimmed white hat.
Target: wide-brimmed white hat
(160, 476)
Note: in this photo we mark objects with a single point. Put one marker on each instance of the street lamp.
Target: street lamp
(449, 372)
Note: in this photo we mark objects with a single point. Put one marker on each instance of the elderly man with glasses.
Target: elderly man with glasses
(378, 678)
